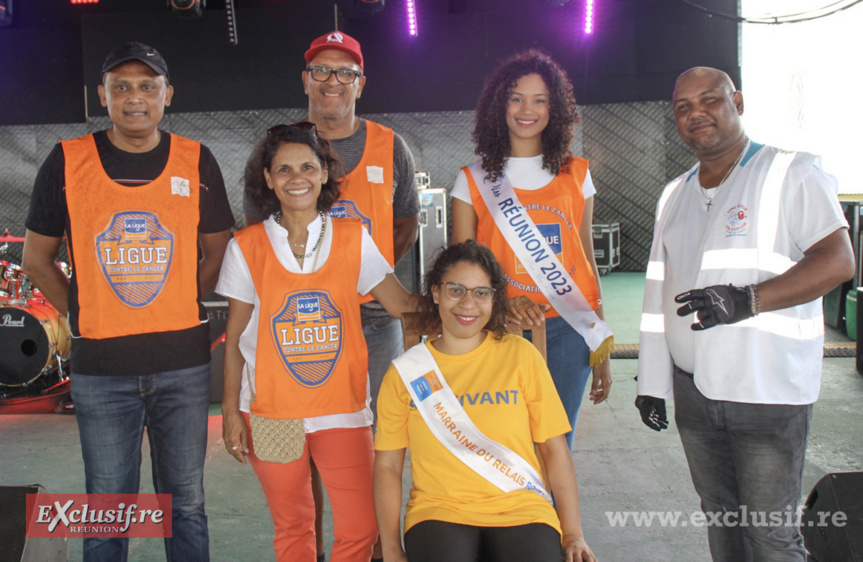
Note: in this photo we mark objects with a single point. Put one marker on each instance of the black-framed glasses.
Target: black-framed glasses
(457, 291)
(345, 76)
(302, 125)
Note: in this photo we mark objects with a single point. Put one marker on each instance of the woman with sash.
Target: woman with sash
(295, 366)
(471, 406)
(530, 201)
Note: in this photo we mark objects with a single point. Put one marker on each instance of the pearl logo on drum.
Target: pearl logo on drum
(8, 322)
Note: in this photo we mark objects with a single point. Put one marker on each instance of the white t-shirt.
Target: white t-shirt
(523, 173)
(235, 281)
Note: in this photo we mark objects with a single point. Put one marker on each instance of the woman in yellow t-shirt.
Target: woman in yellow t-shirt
(503, 385)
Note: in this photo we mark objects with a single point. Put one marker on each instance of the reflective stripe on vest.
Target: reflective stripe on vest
(763, 258)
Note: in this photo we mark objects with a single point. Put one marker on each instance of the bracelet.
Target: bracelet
(754, 300)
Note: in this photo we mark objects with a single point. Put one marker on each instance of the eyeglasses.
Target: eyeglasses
(302, 125)
(344, 76)
(457, 291)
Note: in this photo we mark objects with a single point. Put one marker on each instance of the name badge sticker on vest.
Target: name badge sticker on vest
(345, 209)
(375, 174)
(307, 332)
(180, 186)
(134, 253)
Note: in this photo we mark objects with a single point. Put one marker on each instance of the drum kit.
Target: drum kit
(34, 337)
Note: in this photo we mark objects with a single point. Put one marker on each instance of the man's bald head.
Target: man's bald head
(720, 79)
(707, 111)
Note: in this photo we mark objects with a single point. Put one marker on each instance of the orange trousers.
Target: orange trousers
(345, 460)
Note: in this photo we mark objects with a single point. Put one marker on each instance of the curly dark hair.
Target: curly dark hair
(469, 251)
(262, 197)
(491, 134)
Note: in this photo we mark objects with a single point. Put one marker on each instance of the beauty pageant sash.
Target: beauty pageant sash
(541, 263)
(451, 425)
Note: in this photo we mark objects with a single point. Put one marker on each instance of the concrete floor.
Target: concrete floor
(621, 465)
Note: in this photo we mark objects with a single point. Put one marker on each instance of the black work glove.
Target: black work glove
(652, 412)
(717, 304)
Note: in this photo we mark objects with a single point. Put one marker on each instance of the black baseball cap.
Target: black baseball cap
(137, 52)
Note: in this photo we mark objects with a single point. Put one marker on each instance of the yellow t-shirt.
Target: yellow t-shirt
(506, 389)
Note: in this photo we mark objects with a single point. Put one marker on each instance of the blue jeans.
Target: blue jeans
(112, 412)
(569, 363)
(746, 461)
(385, 342)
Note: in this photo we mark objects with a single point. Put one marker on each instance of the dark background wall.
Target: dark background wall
(425, 88)
(54, 49)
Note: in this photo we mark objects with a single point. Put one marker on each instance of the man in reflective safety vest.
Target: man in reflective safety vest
(745, 244)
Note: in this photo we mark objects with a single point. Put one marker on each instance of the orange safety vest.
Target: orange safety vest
(367, 192)
(557, 211)
(135, 248)
(311, 358)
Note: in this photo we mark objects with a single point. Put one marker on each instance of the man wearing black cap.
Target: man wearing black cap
(147, 221)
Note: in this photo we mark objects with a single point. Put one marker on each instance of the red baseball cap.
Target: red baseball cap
(336, 40)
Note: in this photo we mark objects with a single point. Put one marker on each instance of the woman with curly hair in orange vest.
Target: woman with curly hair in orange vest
(531, 202)
(296, 365)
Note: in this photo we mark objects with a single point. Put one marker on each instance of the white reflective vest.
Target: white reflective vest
(773, 358)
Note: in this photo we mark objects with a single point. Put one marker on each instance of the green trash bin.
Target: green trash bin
(851, 314)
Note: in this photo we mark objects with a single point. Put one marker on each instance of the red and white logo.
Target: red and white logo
(737, 223)
(99, 515)
(335, 37)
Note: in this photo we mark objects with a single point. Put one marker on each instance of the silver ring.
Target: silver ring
(235, 447)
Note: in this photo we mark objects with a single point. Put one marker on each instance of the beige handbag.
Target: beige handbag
(275, 440)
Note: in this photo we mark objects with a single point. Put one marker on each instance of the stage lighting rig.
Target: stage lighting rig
(5, 13)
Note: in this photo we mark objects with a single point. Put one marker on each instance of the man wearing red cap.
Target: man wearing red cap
(147, 221)
(379, 185)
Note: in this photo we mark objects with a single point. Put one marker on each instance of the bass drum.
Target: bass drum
(33, 337)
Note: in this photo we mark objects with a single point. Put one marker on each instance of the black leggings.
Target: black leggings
(437, 541)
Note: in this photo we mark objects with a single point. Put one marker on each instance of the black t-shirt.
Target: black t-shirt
(139, 354)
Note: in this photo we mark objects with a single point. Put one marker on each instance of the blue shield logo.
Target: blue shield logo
(307, 331)
(135, 253)
(344, 209)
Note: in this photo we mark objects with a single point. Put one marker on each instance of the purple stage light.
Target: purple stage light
(588, 17)
(412, 18)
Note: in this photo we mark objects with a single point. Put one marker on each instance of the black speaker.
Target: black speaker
(832, 520)
(14, 544)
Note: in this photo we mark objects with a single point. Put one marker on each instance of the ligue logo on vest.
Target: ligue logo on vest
(135, 252)
(307, 332)
(346, 209)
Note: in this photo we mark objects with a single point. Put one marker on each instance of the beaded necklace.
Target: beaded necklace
(317, 244)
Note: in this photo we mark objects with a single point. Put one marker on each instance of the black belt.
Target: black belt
(680, 371)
